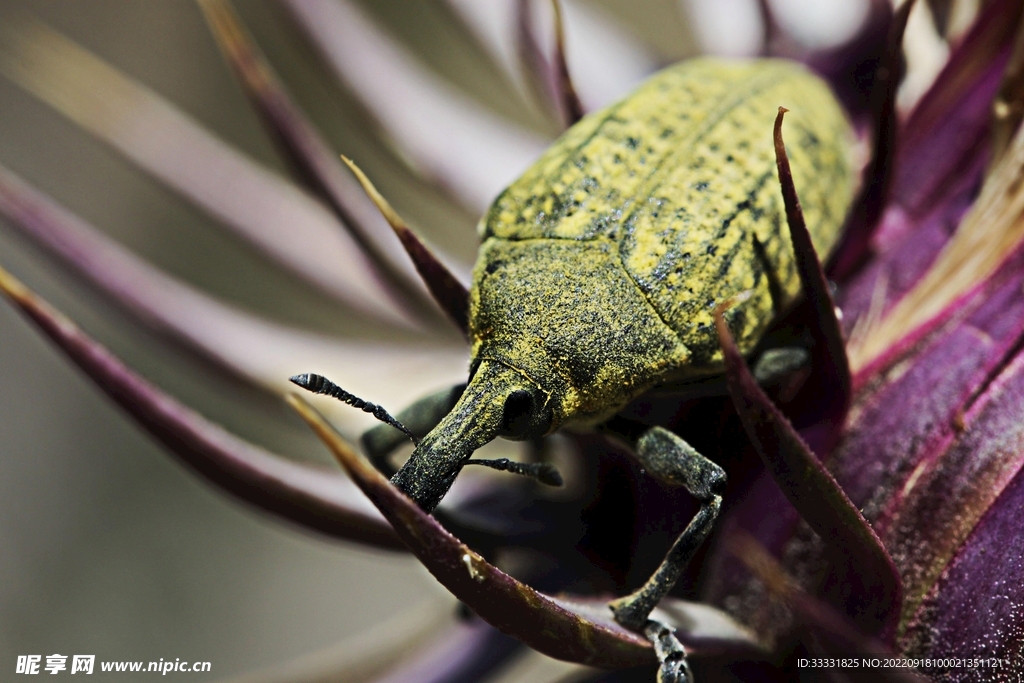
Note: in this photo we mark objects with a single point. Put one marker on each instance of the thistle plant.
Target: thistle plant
(872, 497)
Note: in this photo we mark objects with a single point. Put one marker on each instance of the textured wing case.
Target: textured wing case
(680, 177)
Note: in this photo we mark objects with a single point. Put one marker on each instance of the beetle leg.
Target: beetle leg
(670, 459)
(673, 667)
(775, 365)
(420, 417)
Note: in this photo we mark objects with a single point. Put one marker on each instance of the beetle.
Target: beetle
(600, 269)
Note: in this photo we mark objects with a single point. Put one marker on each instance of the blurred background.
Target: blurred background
(107, 546)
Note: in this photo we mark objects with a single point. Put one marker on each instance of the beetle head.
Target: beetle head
(560, 334)
(567, 315)
(498, 401)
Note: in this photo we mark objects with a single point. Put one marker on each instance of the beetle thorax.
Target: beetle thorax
(566, 315)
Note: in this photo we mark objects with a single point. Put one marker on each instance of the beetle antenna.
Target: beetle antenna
(318, 384)
(541, 471)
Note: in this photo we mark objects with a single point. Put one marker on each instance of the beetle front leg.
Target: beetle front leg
(670, 459)
(775, 365)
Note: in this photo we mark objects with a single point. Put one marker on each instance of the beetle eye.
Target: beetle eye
(516, 419)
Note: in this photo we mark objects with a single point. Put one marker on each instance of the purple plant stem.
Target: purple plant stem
(308, 496)
(315, 164)
(256, 205)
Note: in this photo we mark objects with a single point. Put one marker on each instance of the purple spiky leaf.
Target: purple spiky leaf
(308, 496)
(941, 161)
(941, 11)
(912, 287)
(606, 59)
(448, 137)
(901, 412)
(878, 176)
(256, 205)
(571, 628)
(247, 346)
(572, 108)
(953, 119)
(313, 161)
(771, 31)
(989, 234)
(449, 293)
(831, 375)
(938, 451)
(850, 67)
(860, 561)
(1008, 106)
(537, 70)
(537, 620)
(604, 62)
(933, 447)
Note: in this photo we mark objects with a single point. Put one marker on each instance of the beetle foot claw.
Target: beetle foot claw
(673, 667)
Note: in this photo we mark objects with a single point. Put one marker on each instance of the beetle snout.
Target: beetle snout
(427, 476)
(498, 401)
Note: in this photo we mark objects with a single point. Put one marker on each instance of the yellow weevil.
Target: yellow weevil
(600, 270)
